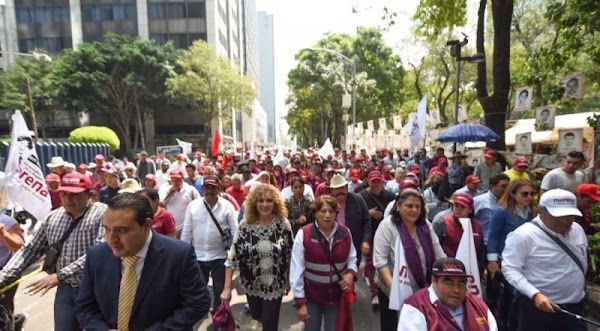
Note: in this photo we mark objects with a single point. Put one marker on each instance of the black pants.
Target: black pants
(265, 311)
(7, 300)
(533, 319)
(387, 318)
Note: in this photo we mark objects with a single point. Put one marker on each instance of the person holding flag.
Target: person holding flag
(406, 245)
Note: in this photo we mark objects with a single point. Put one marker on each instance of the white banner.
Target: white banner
(401, 289)
(187, 147)
(416, 126)
(382, 124)
(370, 125)
(24, 177)
(397, 122)
(359, 127)
(466, 254)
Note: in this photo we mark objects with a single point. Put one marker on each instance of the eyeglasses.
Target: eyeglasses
(526, 194)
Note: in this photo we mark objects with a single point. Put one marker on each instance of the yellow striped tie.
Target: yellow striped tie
(127, 293)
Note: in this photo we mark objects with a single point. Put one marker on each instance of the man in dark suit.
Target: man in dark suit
(139, 279)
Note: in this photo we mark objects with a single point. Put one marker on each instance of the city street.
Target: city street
(40, 310)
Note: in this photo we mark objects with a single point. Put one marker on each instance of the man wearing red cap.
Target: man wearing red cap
(472, 186)
(587, 196)
(85, 220)
(441, 167)
(518, 171)
(377, 198)
(488, 169)
(176, 198)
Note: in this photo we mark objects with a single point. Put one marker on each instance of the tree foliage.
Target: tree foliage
(320, 79)
(95, 134)
(121, 76)
(208, 84)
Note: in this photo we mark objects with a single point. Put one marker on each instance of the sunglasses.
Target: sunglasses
(526, 194)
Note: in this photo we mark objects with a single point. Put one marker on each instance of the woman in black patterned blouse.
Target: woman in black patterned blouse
(261, 251)
(299, 208)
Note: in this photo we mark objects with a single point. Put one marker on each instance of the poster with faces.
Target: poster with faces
(523, 97)
(462, 114)
(569, 140)
(523, 144)
(370, 125)
(573, 85)
(382, 124)
(544, 118)
(397, 122)
(434, 115)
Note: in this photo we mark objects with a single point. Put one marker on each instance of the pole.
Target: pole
(456, 90)
(32, 110)
(354, 63)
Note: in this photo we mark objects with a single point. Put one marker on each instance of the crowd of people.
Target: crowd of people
(133, 245)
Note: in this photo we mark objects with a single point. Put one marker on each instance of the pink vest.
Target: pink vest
(320, 280)
(454, 232)
(439, 318)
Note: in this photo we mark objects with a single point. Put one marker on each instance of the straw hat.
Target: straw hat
(338, 181)
(130, 185)
(56, 162)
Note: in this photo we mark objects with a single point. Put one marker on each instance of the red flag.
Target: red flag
(216, 142)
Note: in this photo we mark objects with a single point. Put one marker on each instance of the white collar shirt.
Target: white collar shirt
(534, 263)
(141, 254)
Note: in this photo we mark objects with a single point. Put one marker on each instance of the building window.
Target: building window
(51, 44)
(42, 14)
(176, 10)
(116, 12)
(157, 11)
(197, 36)
(180, 40)
(196, 10)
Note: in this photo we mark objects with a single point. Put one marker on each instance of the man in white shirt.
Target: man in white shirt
(567, 177)
(200, 229)
(548, 277)
(176, 198)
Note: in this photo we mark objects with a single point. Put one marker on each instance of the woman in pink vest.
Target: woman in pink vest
(322, 251)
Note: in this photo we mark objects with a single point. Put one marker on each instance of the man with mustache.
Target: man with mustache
(354, 214)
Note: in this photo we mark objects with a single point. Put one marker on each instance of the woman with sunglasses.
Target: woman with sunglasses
(516, 207)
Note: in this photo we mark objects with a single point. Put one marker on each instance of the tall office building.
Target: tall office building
(267, 72)
(55, 25)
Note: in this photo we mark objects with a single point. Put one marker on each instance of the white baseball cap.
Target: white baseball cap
(560, 203)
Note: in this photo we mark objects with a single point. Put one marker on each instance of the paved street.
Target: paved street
(40, 311)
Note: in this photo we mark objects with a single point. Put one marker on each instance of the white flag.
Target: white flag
(401, 289)
(24, 178)
(416, 126)
(187, 147)
(252, 152)
(327, 149)
(294, 148)
(466, 254)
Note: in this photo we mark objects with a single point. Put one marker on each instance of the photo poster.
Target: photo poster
(434, 115)
(359, 127)
(570, 140)
(382, 124)
(397, 122)
(462, 114)
(523, 144)
(474, 157)
(544, 118)
(523, 97)
(370, 125)
(574, 87)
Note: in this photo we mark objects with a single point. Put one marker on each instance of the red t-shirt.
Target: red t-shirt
(239, 196)
(55, 198)
(164, 222)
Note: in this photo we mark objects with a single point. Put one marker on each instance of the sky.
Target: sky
(299, 24)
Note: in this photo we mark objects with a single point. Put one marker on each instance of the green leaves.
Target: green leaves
(95, 134)
(435, 16)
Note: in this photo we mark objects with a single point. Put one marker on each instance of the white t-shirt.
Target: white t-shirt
(557, 178)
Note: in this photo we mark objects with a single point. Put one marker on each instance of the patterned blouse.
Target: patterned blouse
(262, 255)
(296, 209)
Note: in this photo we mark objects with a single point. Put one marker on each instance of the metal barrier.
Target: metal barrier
(75, 153)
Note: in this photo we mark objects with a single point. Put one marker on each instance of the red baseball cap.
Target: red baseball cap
(521, 162)
(490, 153)
(407, 183)
(592, 190)
(75, 182)
(291, 171)
(375, 175)
(463, 199)
(52, 177)
(150, 176)
(355, 174)
(473, 179)
(176, 174)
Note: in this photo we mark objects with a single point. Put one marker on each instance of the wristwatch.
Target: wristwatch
(61, 276)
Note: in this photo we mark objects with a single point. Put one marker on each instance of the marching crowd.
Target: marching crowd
(303, 224)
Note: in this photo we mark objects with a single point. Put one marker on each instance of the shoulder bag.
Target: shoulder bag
(564, 248)
(53, 252)
(225, 234)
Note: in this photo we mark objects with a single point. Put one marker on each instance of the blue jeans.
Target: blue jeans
(216, 269)
(64, 306)
(321, 314)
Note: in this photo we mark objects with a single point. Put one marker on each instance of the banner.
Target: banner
(574, 87)
(25, 180)
(382, 124)
(172, 149)
(523, 97)
(359, 127)
(397, 122)
(466, 254)
(187, 147)
(401, 289)
(569, 140)
(523, 144)
(370, 125)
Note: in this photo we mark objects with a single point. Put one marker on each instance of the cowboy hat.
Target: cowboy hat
(56, 162)
(338, 181)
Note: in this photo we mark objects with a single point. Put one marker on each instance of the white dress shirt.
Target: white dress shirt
(534, 263)
(179, 202)
(139, 263)
(200, 230)
(298, 265)
(308, 193)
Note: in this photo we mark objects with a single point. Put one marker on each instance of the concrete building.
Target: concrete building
(267, 73)
(61, 24)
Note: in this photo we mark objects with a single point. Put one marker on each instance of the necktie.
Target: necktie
(127, 293)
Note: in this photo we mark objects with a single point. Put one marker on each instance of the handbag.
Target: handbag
(53, 252)
(225, 234)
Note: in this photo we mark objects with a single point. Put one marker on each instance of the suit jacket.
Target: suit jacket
(358, 219)
(171, 293)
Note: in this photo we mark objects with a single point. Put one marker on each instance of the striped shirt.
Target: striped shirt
(87, 233)
(485, 172)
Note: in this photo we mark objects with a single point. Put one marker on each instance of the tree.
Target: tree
(209, 85)
(28, 77)
(320, 79)
(122, 77)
